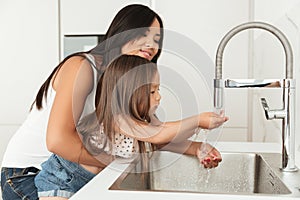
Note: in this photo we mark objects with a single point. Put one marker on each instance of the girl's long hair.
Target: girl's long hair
(123, 90)
(129, 23)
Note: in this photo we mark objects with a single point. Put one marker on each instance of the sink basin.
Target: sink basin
(238, 173)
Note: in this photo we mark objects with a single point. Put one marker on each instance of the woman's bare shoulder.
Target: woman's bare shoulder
(77, 62)
(75, 68)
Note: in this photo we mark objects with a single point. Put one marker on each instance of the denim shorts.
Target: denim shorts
(60, 177)
(18, 183)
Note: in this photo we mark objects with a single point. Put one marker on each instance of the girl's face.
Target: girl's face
(146, 46)
(154, 94)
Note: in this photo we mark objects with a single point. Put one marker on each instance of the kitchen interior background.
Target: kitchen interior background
(35, 35)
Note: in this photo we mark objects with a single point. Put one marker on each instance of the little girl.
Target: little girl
(123, 124)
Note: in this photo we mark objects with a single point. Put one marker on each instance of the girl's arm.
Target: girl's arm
(166, 132)
(173, 136)
(73, 83)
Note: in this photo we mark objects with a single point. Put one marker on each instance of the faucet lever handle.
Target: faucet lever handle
(266, 108)
(272, 114)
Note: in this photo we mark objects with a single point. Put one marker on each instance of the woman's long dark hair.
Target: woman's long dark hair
(133, 16)
(130, 23)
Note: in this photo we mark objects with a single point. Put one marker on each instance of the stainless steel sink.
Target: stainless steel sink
(238, 173)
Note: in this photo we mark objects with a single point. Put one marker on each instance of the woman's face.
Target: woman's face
(146, 46)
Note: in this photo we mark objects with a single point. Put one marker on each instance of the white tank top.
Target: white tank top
(27, 148)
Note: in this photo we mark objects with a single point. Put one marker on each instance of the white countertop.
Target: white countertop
(97, 188)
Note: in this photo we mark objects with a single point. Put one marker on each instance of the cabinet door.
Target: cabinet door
(205, 23)
(90, 16)
(29, 52)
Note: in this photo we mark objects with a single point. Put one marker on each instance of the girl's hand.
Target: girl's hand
(210, 120)
(208, 155)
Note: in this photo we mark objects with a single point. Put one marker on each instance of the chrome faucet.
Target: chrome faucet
(287, 112)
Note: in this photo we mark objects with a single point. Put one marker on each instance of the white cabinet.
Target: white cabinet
(87, 19)
(90, 16)
(29, 52)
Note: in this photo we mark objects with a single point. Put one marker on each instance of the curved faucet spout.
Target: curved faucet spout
(287, 113)
(251, 25)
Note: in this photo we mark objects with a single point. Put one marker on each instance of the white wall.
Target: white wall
(206, 22)
(269, 62)
(29, 51)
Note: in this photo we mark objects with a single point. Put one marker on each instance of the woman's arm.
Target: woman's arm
(72, 84)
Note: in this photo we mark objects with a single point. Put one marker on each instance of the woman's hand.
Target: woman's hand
(210, 120)
(208, 155)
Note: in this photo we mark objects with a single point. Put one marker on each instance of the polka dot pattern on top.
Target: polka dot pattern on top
(125, 146)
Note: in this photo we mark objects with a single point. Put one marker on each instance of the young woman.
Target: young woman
(124, 120)
(67, 94)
